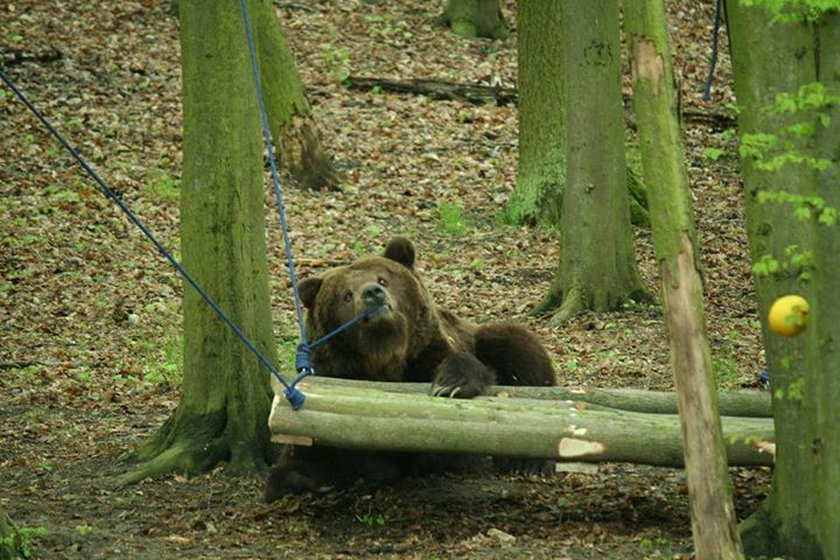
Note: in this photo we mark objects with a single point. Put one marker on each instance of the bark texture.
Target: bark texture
(7, 536)
(225, 394)
(541, 172)
(301, 152)
(745, 403)
(597, 268)
(801, 516)
(713, 521)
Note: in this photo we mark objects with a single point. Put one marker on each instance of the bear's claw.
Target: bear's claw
(444, 391)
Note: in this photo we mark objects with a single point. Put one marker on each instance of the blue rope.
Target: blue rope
(278, 195)
(303, 359)
(294, 396)
(303, 353)
(707, 90)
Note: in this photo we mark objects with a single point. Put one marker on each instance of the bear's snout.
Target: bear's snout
(374, 294)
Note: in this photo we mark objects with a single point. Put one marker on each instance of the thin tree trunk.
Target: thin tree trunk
(541, 174)
(597, 263)
(348, 416)
(225, 395)
(713, 521)
(301, 150)
(475, 18)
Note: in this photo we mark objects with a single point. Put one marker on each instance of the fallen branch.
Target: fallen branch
(45, 54)
(356, 417)
(474, 93)
(480, 94)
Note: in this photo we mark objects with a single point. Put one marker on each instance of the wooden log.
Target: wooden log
(437, 89)
(747, 403)
(360, 418)
(480, 94)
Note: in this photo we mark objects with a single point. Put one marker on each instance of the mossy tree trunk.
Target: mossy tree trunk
(475, 18)
(597, 268)
(300, 149)
(225, 395)
(541, 174)
(801, 516)
(713, 522)
(7, 536)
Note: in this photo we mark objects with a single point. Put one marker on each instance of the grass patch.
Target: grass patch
(452, 218)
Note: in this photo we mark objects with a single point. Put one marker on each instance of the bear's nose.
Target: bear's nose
(373, 294)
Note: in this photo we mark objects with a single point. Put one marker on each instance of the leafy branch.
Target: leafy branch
(792, 11)
(794, 261)
(771, 152)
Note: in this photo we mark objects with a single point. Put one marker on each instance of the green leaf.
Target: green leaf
(713, 154)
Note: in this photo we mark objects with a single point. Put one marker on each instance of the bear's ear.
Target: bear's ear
(308, 289)
(401, 250)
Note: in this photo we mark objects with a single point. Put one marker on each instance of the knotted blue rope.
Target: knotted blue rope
(304, 350)
(303, 354)
(303, 362)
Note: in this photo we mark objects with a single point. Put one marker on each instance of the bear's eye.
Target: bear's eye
(383, 282)
(348, 296)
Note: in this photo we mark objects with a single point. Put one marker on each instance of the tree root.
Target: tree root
(759, 532)
(183, 457)
(192, 444)
(551, 300)
(567, 303)
(573, 303)
(8, 537)
(303, 154)
(571, 299)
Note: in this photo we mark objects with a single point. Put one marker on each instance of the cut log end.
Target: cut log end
(574, 448)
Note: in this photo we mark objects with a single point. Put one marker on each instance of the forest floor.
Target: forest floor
(90, 315)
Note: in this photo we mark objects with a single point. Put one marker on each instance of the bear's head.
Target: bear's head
(387, 338)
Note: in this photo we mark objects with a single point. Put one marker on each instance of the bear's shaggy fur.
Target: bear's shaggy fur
(408, 339)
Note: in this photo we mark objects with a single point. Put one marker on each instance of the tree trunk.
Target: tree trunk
(225, 396)
(801, 515)
(348, 416)
(597, 268)
(713, 522)
(823, 340)
(7, 536)
(475, 18)
(541, 173)
(301, 151)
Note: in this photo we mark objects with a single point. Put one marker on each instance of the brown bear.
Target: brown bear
(408, 338)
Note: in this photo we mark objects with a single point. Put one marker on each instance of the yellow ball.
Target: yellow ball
(788, 315)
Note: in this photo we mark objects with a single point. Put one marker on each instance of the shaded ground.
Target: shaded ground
(89, 315)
